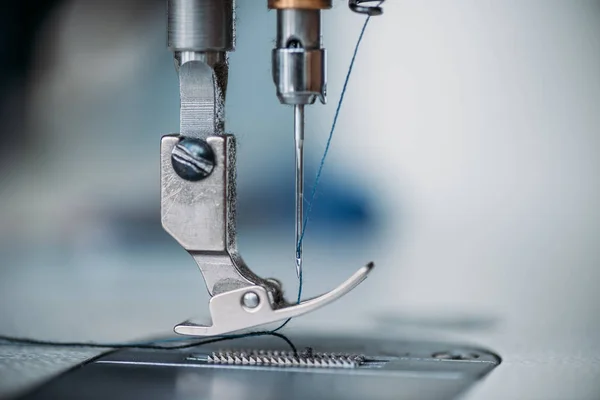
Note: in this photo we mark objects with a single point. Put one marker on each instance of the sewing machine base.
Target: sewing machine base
(395, 369)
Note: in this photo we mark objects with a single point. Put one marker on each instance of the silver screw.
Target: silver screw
(193, 159)
(250, 300)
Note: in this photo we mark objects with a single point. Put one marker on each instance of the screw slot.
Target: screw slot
(193, 159)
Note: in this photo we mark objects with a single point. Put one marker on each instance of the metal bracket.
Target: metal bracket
(200, 215)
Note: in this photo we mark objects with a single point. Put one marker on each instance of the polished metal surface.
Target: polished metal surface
(299, 147)
(250, 300)
(212, 58)
(299, 75)
(387, 369)
(200, 33)
(202, 111)
(198, 199)
(200, 215)
(217, 60)
(201, 25)
(298, 59)
(274, 358)
(303, 26)
(228, 315)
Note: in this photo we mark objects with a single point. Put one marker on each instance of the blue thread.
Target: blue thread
(331, 132)
(322, 164)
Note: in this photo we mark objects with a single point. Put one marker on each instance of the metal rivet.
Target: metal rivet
(193, 159)
(250, 300)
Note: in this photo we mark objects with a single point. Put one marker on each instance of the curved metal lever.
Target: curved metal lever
(229, 313)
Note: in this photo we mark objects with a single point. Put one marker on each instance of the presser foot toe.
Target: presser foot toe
(251, 306)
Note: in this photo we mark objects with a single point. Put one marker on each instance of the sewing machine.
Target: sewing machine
(198, 205)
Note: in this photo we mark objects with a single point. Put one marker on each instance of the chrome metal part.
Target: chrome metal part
(299, 76)
(218, 61)
(250, 300)
(202, 111)
(198, 192)
(201, 25)
(200, 33)
(393, 368)
(303, 26)
(200, 215)
(298, 60)
(228, 316)
(299, 145)
(274, 358)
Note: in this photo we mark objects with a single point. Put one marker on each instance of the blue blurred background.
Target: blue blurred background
(465, 165)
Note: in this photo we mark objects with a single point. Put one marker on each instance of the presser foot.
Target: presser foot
(198, 210)
(253, 305)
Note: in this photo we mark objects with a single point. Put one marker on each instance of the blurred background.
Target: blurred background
(464, 164)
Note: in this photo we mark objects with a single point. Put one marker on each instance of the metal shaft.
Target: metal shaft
(299, 145)
(200, 25)
(299, 76)
(200, 33)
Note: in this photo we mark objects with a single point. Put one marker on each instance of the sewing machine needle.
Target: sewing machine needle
(299, 144)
